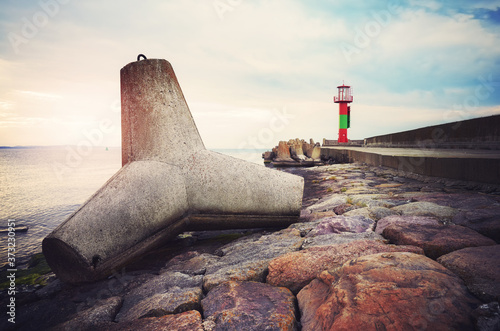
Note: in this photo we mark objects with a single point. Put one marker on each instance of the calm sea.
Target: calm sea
(41, 187)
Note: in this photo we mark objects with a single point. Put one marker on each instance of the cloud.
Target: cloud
(237, 68)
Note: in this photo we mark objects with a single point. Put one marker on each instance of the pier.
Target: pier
(465, 150)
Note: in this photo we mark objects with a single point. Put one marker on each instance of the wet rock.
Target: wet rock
(191, 263)
(247, 259)
(168, 293)
(436, 240)
(397, 219)
(250, 306)
(487, 317)
(479, 267)
(340, 238)
(339, 224)
(295, 270)
(486, 221)
(424, 208)
(103, 311)
(387, 291)
(50, 290)
(187, 321)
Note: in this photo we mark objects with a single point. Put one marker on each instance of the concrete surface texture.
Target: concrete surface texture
(169, 183)
(479, 165)
(477, 133)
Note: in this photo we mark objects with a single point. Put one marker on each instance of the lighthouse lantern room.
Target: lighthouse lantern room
(343, 98)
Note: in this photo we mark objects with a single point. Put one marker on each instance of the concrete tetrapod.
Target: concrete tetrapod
(169, 183)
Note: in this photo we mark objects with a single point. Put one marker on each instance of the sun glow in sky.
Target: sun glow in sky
(253, 72)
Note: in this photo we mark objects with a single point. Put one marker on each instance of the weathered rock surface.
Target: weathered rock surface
(295, 270)
(340, 238)
(250, 306)
(168, 293)
(343, 208)
(397, 219)
(424, 208)
(374, 213)
(191, 263)
(387, 291)
(487, 317)
(247, 259)
(479, 267)
(187, 321)
(436, 240)
(372, 200)
(340, 224)
(328, 204)
(486, 221)
(103, 311)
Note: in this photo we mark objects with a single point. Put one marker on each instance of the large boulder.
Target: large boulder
(247, 259)
(486, 221)
(327, 204)
(398, 219)
(423, 208)
(340, 238)
(374, 213)
(295, 270)
(436, 240)
(479, 267)
(191, 263)
(168, 293)
(387, 291)
(340, 224)
(91, 318)
(250, 306)
(187, 321)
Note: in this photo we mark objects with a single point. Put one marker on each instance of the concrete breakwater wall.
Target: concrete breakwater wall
(478, 133)
(465, 150)
(484, 168)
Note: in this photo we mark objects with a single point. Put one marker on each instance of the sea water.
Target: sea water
(41, 187)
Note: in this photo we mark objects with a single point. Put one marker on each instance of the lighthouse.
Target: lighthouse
(343, 98)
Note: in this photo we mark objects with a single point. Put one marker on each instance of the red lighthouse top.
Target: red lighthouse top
(345, 94)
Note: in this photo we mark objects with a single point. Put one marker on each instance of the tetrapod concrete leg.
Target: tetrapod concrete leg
(169, 183)
(144, 204)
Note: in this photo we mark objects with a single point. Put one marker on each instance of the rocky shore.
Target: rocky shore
(374, 249)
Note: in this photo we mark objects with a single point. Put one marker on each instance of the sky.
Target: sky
(252, 72)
